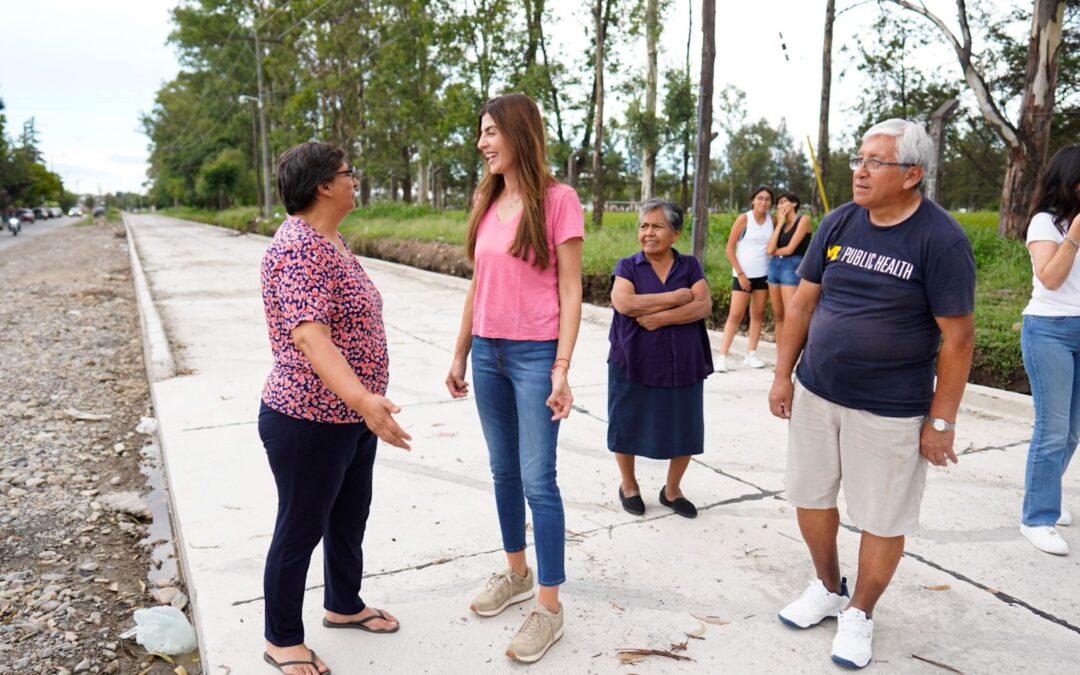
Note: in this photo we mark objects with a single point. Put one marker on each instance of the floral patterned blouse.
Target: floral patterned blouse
(305, 278)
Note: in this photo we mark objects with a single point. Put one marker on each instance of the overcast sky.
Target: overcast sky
(93, 67)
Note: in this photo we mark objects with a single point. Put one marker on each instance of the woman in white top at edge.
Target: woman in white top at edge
(747, 250)
(1051, 344)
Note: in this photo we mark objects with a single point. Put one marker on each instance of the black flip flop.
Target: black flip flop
(282, 665)
(635, 506)
(682, 506)
(361, 624)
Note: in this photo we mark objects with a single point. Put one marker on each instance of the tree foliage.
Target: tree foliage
(25, 181)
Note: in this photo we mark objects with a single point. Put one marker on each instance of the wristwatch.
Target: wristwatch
(938, 424)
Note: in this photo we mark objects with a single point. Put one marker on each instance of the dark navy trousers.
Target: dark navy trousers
(323, 476)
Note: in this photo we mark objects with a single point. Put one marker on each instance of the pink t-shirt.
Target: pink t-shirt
(516, 300)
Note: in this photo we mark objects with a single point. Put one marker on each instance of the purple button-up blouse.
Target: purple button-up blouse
(673, 356)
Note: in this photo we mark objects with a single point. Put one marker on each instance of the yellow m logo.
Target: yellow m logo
(833, 253)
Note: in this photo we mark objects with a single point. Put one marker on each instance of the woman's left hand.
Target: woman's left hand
(561, 400)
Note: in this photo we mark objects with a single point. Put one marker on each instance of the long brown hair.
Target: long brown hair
(1056, 192)
(518, 119)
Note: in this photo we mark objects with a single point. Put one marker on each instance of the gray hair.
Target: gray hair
(913, 144)
(672, 213)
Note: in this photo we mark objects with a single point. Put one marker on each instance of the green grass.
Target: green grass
(243, 218)
(1004, 269)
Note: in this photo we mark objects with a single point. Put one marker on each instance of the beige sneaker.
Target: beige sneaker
(540, 630)
(502, 590)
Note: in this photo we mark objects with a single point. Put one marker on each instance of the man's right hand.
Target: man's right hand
(378, 412)
(780, 397)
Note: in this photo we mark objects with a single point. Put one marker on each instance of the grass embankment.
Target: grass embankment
(387, 230)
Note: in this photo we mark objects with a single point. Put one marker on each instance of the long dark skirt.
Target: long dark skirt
(654, 422)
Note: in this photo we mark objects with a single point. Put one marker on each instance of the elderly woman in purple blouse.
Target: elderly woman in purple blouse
(659, 358)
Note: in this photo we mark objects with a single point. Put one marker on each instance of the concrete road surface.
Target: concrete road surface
(970, 594)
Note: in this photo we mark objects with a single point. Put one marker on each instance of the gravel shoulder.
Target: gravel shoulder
(79, 546)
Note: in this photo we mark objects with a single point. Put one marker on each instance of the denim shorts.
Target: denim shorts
(783, 270)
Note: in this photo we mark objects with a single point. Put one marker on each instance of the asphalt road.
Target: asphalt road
(33, 230)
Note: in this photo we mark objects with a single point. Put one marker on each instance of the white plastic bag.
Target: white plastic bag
(164, 630)
(147, 425)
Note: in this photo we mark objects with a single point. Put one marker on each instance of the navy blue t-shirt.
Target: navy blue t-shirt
(873, 340)
(672, 356)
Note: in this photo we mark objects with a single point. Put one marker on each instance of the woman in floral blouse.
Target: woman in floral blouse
(323, 407)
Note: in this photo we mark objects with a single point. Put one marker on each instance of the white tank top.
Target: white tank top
(752, 249)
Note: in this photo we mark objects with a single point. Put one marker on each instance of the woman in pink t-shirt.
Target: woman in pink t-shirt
(520, 322)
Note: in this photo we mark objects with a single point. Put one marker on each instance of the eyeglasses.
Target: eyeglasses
(873, 164)
(350, 172)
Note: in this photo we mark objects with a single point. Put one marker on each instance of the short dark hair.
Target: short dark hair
(791, 197)
(763, 188)
(302, 169)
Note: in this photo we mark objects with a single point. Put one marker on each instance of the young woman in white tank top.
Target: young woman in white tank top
(747, 251)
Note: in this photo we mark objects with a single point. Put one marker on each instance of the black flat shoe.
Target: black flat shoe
(681, 506)
(632, 505)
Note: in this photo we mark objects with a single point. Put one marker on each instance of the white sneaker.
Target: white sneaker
(1066, 517)
(721, 364)
(1045, 539)
(753, 361)
(854, 635)
(814, 605)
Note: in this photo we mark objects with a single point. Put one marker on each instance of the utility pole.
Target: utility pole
(704, 130)
(267, 195)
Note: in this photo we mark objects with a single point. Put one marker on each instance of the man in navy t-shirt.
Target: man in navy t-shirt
(887, 279)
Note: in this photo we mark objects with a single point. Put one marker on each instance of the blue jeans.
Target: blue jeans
(1051, 346)
(783, 271)
(512, 379)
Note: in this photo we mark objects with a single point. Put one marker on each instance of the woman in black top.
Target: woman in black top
(787, 247)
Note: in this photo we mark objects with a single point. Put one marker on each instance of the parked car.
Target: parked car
(75, 211)
(41, 213)
(99, 211)
(27, 216)
(56, 212)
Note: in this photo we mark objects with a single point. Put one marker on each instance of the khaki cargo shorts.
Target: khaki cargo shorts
(876, 459)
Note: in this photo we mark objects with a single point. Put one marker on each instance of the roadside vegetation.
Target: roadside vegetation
(1004, 269)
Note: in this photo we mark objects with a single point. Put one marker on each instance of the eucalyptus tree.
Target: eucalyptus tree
(1028, 138)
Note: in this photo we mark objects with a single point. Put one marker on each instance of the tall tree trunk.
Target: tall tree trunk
(684, 195)
(552, 89)
(1027, 143)
(598, 142)
(704, 131)
(826, 91)
(578, 157)
(406, 175)
(423, 173)
(1026, 158)
(534, 12)
(648, 159)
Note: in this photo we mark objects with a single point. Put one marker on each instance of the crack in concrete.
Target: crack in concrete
(733, 477)
(465, 556)
(437, 345)
(972, 451)
(220, 426)
(1000, 595)
(386, 573)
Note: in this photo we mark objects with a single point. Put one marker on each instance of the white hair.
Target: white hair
(913, 144)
